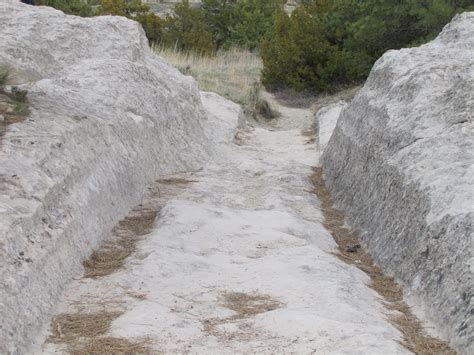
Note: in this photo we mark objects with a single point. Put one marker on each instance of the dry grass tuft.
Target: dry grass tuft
(83, 333)
(111, 345)
(247, 305)
(112, 253)
(86, 333)
(70, 326)
(415, 337)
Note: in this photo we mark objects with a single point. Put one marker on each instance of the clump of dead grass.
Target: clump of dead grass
(86, 332)
(112, 254)
(69, 326)
(234, 74)
(415, 337)
(249, 304)
(245, 305)
(83, 333)
(112, 345)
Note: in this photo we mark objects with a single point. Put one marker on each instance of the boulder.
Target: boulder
(400, 164)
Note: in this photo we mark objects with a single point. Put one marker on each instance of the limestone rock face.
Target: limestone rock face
(400, 164)
(107, 117)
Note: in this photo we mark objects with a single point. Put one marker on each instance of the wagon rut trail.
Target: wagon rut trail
(235, 258)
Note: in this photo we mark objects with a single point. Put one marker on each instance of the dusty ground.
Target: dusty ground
(239, 259)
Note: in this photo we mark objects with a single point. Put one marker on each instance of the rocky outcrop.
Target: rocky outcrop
(400, 164)
(107, 117)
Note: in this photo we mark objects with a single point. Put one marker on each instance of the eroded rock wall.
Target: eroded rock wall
(107, 117)
(400, 164)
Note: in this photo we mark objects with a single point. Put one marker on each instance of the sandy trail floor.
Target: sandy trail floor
(236, 261)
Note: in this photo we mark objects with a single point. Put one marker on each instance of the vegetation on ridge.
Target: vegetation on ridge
(326, 44)
(322, 46)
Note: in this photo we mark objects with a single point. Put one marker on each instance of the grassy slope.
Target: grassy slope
(234, 74)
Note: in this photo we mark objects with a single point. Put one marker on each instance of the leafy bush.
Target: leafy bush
(219, 24)
(152, 25)
(327, 44)
(298, 55)
(135, 10)
(123, 8)
(242, 23)
(186, 30)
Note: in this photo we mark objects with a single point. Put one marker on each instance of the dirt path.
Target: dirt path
(237, 261)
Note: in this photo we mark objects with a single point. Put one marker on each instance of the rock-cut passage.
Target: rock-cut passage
(237, 261)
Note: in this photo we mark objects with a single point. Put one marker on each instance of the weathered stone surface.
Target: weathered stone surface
(400, 163)
(107, 117)
(326, 120)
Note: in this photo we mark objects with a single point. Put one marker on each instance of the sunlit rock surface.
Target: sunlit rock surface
(107, 118)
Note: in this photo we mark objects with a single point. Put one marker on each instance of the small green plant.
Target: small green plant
(13, 102)
(16, 98)
(21, 108)
(18, 95)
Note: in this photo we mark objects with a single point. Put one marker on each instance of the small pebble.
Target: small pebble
(2, 118)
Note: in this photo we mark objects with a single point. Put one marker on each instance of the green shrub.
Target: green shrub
(327, 44)
(186, 30)
(152, 25)
(299, 56)
(127, 8)
(242, 23)
(18, 95)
